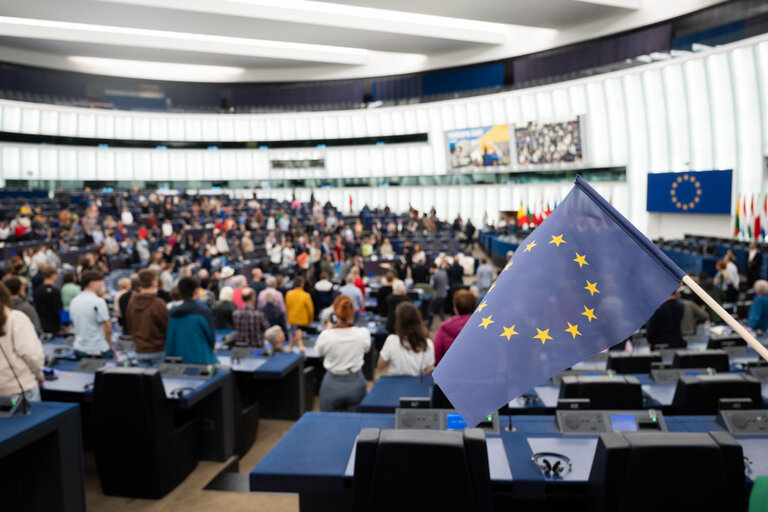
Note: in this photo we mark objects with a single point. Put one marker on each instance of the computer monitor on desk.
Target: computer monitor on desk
(604, 392)
(717, 359)
(701, 394)
(726, 340)
(631, 362)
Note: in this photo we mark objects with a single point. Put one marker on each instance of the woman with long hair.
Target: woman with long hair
(408, 351)
(22, 353)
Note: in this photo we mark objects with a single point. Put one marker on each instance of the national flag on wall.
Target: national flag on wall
(737, 226)
(764, 216)
(520, 216)
(570, 291)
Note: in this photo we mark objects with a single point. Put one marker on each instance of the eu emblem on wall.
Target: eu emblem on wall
(690, 192)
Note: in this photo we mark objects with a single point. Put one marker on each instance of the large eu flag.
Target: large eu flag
(584, 280)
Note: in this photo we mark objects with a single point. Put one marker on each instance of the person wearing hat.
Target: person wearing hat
(343, 346)
(226, 276)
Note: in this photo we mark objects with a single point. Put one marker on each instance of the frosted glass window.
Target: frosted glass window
(348, 163)
(561, 105)
(599, 149)
(377, 163)
(316, 128)
(124, 164)
(762, 70)
(160, 165)
(226, 129)
(473, 113)
(244, 165)
(105, 164)
(123, 127)
(49, 122)
(159, 127)
(385, 118)
(331, 127)
(528, 107)
(460, 116)
(30, 163)
(302, 128)
(228, 165)
(402, 166)
(142, 165)
(141, 130)
(411, 125)
(657, 120)
(700, 118)
(67, 164)
(193, 129)
(242, 130)
(195, 165)
(49, 164)
(210, 129)
(362, 157)
(499, 112)
(398, 122)
(514, 112)
(177, 165)
(749, 143)
(11, 162)
(390, 162)
(287, 128)
(677, 117)
(423, 118)
(486, 112)
(86, 125)
(447, 120)
(414, 160)
(618, 121)
(11, 119)
(359, 126)
(176, 128)
(544, 106)
(67, 124)
(105, 127)
(345, 127)
(30, 120)
(258, 130)
(86, 165)
(427, 160)
(211, 169)
(578, 99)
(260, 165)
(721, 99)
(333, 163)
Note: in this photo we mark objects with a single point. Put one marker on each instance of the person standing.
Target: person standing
(69, 289)
(754, 263)
(90, 319)
(463, 307)
(16, 287)
(147, 320)
(191, 331)
(250, 323)
(409, 351)
(298, 303)
(23, 351)
(48, 301)
(343, 347)
(439, 283)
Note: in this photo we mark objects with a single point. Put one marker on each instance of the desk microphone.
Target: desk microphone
(24, 401)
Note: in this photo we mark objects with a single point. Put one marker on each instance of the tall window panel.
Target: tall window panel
(614, 98)
(677, 118)
(723, 108)
(749, 148)
(544, 105)
(599, 126)
(655, 111)
(30, 120)
(49, 164)
(637, 128)
(761, 61)
(699, 115)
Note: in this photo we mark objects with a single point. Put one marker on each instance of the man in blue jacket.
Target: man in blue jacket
(191, 329)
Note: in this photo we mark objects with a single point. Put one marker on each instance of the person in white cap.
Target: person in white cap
(226, 276)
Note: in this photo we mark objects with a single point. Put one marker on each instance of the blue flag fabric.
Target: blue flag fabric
(584, 280)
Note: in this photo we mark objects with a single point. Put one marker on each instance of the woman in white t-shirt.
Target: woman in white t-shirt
(343, 348)
(408, 351)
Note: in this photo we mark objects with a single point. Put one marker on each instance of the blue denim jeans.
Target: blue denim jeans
(150, 359)
(107, 354)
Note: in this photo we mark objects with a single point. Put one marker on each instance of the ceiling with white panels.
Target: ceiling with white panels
(300, 40)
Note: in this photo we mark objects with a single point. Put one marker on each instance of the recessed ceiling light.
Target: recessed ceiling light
(155, 70)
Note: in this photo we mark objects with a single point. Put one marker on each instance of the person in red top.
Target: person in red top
(338, 250)
(143, 233)
(359, 283)
(463, 307)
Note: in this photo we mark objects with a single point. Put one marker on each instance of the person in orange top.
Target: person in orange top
(298, 304)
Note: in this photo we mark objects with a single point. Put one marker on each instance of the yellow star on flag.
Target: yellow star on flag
(543, 335)
(486, 322)
(530, 246)
(581, 260)
(508, 265)
(508, 332)
(591, 288)
(589, 313)
(557, 240)
(481, 306)
(573, 329)
(493, 285)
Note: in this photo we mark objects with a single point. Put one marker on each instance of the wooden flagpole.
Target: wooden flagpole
(722, 313)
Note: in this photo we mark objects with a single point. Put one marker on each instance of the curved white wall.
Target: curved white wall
(705, 111)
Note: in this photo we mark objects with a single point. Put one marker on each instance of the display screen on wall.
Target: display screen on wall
(317, 163)
(690, 192)
(549, 144)
(485, 146)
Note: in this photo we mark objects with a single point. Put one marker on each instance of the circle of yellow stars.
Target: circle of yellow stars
(544, 335)
(682, 205)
